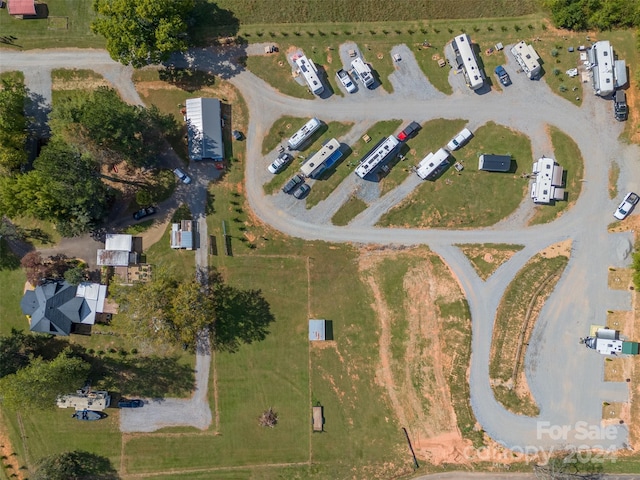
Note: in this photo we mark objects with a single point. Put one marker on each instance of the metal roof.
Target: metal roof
(204, 129)
(316, 330)
(21, 7)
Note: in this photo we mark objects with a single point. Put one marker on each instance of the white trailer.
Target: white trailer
(310, 74)
(304, 134)
(433, 164)
(466, 58)
(377, 155)
(363, 71)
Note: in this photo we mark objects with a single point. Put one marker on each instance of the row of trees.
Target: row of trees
(598, 14)
(13, 126)
(175, 312)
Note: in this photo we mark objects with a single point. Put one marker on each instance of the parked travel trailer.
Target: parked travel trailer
(363, 71)
(466, 59)
(377, 155)
(322, 160)
(301, 137)
(310, 74)
(433, 164)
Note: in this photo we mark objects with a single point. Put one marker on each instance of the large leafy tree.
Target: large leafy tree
(13, 126)
(600, 14)
(75, 465)
(65, 187)
(38, 384)
(141, 32)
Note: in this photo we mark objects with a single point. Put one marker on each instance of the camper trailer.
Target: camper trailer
(363, 71)
(303, 135)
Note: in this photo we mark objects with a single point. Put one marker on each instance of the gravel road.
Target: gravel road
(565, 378)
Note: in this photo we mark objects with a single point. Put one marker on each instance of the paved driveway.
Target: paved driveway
(565, 378)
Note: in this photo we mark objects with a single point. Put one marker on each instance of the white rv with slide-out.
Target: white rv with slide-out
(363, 71)
(381, 152)
(309, 72)
(433, 164)
(304, 134)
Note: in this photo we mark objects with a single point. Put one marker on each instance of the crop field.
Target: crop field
(249, 12)
(441, 204)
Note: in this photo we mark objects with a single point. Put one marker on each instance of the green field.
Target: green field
(568, 155)
(468, 199)
(348, 211)
(67, 25)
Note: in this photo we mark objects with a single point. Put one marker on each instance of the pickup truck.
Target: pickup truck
(503, 75)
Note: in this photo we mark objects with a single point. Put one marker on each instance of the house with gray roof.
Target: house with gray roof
(59, 308)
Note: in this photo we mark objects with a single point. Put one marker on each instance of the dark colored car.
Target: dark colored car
(144, 212)
(130, 403)
(503, 75)
(293, 183)
(411, 131)
(302, 191)
(237, 134)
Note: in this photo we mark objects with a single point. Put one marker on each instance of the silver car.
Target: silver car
(626, 206)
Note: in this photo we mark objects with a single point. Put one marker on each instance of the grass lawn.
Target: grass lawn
(182, 263)
(614, 174)
(14, 76)
(568, 155)
(276, 71)
(467, 199)
(37, 232)
(54, 431)
(348, 211)
(67, 25)
(330, 179)
(434, 134)
(74, 74)
(12, 279)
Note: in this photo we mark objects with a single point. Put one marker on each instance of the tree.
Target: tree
(14, 352)
(75, 465)
(37, 385)
(13, 126)
(75, 275)
(142, 32)
(38, 268)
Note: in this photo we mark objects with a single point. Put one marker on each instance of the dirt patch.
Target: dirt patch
(486, 259)
(557, 249)
(417, 383)
(620, 279)
(10, 461)
(79, 84)
(615, 413)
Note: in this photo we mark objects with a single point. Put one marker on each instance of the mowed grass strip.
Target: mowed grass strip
(487, 257)
(330, 179)
(534, 283)
(469, 199)
(348, 211)
(434, 134)
(568, 155)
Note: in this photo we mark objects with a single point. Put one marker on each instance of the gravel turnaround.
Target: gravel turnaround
(565, 378)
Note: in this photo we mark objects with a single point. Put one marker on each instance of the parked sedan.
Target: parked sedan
(302, 191)
(293, 183)
(130, 403)
(280, 163)
(345, 79)
(144, 212)
(624, 209)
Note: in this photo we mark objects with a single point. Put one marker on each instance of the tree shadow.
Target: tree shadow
(153, 377)
(38, 109)
(242, 316)
(209, 22)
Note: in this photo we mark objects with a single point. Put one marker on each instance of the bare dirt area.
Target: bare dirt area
(10, 462)
(78, 83)
(417, 383)
(485, 259)
(557, 249)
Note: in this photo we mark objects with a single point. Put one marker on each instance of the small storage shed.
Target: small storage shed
(317, 418)
(317, 330)
(494, 163)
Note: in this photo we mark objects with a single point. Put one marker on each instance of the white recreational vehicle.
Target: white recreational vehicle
(433, 164)
(310, 73)
(322, 160)
(301, 136)
(378, 154)
(466, 59)
(363, 71)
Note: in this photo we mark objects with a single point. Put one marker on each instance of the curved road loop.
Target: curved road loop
(566, 379)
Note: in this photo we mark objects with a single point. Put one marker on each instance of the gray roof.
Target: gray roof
(53, 307)
(204, 129)
(316, 330)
